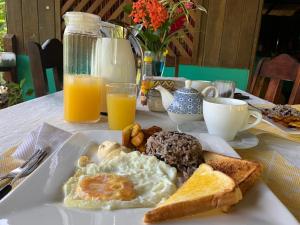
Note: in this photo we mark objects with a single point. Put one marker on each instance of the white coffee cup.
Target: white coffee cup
(225, 117)
(205, 87)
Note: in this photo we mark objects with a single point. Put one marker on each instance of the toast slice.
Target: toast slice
(206, 189)
(244, 172)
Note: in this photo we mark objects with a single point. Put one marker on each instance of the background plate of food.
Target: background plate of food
(74, 185)
(284, 117)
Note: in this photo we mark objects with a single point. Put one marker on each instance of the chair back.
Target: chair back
(270, 73)
(171, 67)
(9, 45)
(192, 72)
(49, 55)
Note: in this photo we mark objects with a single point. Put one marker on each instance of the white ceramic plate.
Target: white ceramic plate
(288, 130)
(38, 199)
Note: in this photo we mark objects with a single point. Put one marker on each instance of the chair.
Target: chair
(239, 76)
(181, 67)
(49, 55)
(10, 47)
(270, 74)
(170, 70)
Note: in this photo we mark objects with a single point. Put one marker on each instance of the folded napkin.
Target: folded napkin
(44, 136)
(265, 127)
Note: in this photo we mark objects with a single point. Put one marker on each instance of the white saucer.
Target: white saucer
(192, 127)
(243, 140)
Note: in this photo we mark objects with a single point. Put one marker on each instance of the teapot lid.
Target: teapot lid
(188, 89)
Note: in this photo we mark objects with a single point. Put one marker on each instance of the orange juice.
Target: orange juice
(121, 110)
(82, 96)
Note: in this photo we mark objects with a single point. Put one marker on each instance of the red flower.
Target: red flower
(178, 24)
(180, 21)
(189, 5)
(150, 13)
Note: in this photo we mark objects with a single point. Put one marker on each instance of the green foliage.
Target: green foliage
(127, 8)
(3, 28)
(14, 92)
(157, 40)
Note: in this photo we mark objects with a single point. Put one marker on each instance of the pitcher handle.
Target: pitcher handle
(258, 117)
(206, 91)
(115, 50)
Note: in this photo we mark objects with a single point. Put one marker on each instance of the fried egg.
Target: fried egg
(122, 180)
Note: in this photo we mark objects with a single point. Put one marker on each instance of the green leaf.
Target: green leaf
(22, 82)
(29, 92)
(2, 81)
(127, 8)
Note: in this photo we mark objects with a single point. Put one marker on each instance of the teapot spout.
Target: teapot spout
(166, 96)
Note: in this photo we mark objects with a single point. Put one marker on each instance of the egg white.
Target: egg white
(154, 181)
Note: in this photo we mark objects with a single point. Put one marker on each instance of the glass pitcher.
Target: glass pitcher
(82, 80)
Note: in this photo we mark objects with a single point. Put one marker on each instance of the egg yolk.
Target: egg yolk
(106, 187)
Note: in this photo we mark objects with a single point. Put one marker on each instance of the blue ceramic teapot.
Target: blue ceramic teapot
(186, 103)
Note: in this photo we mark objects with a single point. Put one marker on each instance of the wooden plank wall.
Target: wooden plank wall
(226, 36)
(231, 30)
(35, 20)
(113, 10)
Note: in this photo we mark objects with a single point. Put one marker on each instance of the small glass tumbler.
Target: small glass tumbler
(121, 104)
(226, 88)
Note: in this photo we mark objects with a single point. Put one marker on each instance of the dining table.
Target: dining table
(19, 120)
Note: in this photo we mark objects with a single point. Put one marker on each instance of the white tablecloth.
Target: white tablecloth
(18, 120)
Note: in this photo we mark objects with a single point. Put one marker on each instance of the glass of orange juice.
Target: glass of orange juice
(121, 104)
(82, 98)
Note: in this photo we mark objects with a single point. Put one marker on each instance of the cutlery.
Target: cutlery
(29, 168)
(240, 96)
(19, 169)
(255, 107)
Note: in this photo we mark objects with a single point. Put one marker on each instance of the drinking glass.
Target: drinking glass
(226, 88)
(121, 104)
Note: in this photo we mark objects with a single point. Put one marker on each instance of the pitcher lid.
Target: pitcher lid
(81, 18)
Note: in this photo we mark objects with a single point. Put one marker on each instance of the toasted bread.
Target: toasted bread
(206, 189)
(244, 172)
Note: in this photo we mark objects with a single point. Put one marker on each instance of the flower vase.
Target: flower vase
(158, 63)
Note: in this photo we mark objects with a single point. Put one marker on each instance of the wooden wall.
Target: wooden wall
(225, 36)
(35, 20)
(229, 33)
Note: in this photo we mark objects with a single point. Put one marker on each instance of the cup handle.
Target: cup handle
(206, 91)
(258, 117)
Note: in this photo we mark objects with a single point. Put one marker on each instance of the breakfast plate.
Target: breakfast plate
(277, 124)
(38, 200)
(288, 130)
